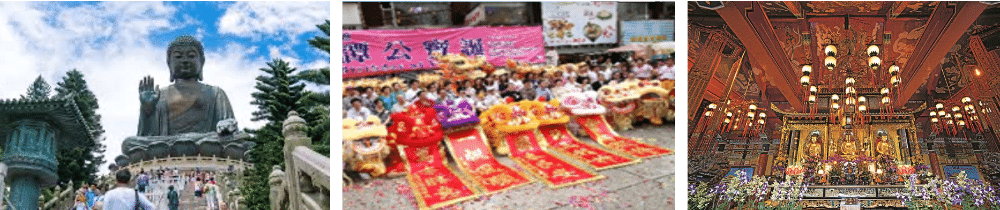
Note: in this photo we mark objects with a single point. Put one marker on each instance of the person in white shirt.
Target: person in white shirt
(667, 70)
(358, 111)
(414, 89)
(400, 105)
(123, 197)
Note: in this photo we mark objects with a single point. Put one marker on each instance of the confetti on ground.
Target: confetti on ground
(647, 185)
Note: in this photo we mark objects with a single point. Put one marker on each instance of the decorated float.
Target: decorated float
(588, 115)
(631, 101)
(552, 125)
(365, 146)
(516, 130)
(468, 147)
(434, 184)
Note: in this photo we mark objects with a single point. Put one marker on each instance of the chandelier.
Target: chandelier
(850, 107)
(751, 124)
(961, 116)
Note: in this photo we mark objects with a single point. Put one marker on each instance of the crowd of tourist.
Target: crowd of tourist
(484, 92)
(123, 197)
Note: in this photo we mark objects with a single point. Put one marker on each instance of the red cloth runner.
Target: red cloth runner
(599, 130)
(551, 169)
(564, 142)
(473, 156)
(434, 184)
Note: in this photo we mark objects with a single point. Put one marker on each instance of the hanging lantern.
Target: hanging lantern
(804, 80)
(934, 120)
(850, 101)
(830, 50)
(807, 69)
(762, 115)
(886, 100)
(752, 107)
(874, 62)
(941, 113)
(830, 62)
(884, 91)
(950, 122)
(862, 100)
(895, 81)
(835, 98)
(729, 114)
(961, 123)
(958, 115)
(812, 90)
(835, 106)
(947, 116)
(862, 108)
(727, 121)
(750, 115)
(712, 106)
(760, 121)
(939, 106)
(849, 90)
(966, 100)
(932, 114)
(894, 70)
(708, 114)
(873, 50)
(812, 98)
(849, 81)
(954, 109)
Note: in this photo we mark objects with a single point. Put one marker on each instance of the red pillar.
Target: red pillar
(761, 165)
(934, 164)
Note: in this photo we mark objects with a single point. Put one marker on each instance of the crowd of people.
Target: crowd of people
(123, 197)
(484, 92)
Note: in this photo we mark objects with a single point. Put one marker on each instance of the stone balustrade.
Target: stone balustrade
(190, 163)
(306, 184)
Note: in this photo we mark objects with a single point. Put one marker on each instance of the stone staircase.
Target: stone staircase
(157, 193)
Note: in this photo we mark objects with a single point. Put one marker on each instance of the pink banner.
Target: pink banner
(374, 52)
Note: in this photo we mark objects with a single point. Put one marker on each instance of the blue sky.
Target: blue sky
(115, 44)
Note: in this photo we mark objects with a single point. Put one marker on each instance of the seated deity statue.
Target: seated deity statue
(187, 118)
(815, 148)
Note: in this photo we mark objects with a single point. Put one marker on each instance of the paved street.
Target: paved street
(647, 185)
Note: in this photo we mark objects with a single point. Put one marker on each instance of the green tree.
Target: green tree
(38, 90)
(318, 103)
(278, 92)
(80, 163)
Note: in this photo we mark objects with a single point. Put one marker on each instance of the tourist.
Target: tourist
(542, 91)
(598, 83)
(91, 195)
(80, 201)
(211, 194)
(197, 187)
(143, 180)
(123, 197)
(350, 94)
(358, 111)
(173, 198)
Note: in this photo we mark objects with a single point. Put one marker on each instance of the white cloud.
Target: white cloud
(110, 43)
(253, 19)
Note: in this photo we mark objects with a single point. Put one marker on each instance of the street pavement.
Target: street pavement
(647, 185)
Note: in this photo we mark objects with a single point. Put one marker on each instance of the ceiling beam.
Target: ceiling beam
(751, 25)
(947, 24)
(897, 8)
(796, 9)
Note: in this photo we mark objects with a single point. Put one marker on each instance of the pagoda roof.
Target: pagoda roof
(62, 112)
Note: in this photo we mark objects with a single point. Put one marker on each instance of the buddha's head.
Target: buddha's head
(185, 57)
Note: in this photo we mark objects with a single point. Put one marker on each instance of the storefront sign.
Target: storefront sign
(580, 23)
(374, 52)
(647, 31)
(476, 16)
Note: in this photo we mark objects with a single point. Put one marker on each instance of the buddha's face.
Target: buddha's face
(185, 63)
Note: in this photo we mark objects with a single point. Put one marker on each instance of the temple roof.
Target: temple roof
(62, 112)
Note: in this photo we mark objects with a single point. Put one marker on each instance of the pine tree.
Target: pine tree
(318, 103)
(38, 90)
(81, 163)
(278, 92)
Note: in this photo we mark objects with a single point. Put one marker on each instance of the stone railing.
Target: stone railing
(306, 185)
(63, 198)
(189, 163)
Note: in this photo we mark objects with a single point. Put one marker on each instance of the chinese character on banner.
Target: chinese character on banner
(397, 48)
(472, 47)
(356, 52)
(436, 45)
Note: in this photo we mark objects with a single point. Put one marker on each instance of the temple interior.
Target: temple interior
(844, 94)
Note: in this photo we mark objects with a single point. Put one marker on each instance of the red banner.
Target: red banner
(376, 52)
